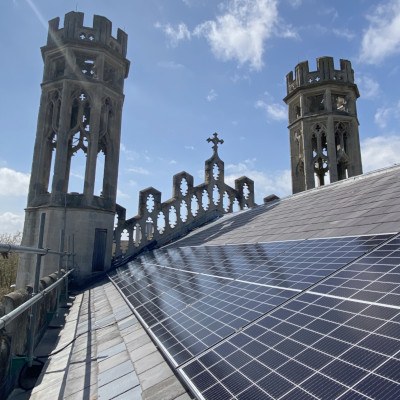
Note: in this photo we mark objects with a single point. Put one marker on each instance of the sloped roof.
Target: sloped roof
(295, 299)
(365, 204)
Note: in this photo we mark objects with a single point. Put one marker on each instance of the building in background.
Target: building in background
(323, 124)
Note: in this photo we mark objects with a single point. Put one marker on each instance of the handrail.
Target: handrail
(6, 319)
(10, 248)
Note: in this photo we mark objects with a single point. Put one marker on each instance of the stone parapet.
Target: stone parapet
(325, 72)
(14, 338)
(158, 223)
(74, 30)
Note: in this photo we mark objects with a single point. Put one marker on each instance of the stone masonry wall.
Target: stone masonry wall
(14, 338)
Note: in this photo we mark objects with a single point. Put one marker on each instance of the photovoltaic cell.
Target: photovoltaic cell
(319, 344)
(192, 298)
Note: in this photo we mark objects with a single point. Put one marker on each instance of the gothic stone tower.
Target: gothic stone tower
(323, 124)
(80, 111)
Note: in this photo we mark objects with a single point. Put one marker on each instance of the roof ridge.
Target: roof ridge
(342, 182)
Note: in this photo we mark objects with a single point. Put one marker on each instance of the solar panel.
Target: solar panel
(324, 343)
(192, 298)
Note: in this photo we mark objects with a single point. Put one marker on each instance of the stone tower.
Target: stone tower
(80, 111)
(323, 124)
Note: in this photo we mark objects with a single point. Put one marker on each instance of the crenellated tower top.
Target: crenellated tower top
(325, 73)
(323, 124)
(99, 34)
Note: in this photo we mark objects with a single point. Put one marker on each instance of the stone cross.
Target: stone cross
(215, 141)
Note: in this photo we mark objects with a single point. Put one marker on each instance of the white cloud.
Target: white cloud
(380, 151)
(369, 88)
(189, 147)
(175, 34)
(212, 95)
(240, 32)
(122, 195)
(240, 77)
(344, 33)
(274, 111)
(11, 223)
(170, 65)
(139, 171)
(266, 183)
(382, 37)
(330, 11)
(129, 154)
(13, 183)
(295, 3)
(383, 114)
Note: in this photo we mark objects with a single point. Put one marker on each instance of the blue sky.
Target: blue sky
(200, 66)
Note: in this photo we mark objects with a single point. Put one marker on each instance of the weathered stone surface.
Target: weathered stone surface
(168, 389)
(154, 376)
(323, 124)
(80, 111)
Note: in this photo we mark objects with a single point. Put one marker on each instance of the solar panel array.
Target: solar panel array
(286, 320)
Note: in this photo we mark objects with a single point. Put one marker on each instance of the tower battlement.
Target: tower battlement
(325, 72)
(74, 30)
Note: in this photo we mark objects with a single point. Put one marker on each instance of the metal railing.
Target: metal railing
(37, 294)
(7, 319)
(11, 248)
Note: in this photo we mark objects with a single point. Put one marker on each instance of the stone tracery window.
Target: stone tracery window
(52, 121)
(316, 103)
(342, 132)
(320, 153)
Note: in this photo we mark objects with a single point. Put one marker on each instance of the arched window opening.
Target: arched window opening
(183, 212)
(98, 185)
(172, 217)
(235, 205)
(184, 187)
(124, 241)
(52, 145)
(137, 235)
(226, 202)
(246, 191)
(194, 206)
(161, 223)
(320, 172)
(314, 146)
(149, 229)
(150, 203)
(216, 195)
(205, 200)
(77, 165)
(216, 172)
(324, 144)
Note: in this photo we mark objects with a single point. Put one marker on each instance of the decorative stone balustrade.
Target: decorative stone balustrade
(158, 223)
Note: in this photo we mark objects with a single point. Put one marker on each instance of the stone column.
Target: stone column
(61, 160)
(308, 159)
(331, 146)
(93, 141)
